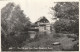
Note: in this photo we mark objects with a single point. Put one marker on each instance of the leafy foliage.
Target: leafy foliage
(14, 22)
(68, 13)
(68, 10)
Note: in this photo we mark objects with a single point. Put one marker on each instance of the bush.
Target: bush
(14, 41)
(66, 26)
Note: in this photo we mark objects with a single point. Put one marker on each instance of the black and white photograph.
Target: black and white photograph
(39, 25)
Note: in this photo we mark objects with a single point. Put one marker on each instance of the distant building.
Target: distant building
(43, 24)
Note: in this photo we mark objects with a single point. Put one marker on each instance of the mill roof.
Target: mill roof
(43, 19)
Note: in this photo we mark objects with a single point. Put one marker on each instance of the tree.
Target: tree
(62, 26)
(5, 13)
(67, 11)
(13, 24)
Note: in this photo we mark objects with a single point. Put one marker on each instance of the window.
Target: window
(44, 27)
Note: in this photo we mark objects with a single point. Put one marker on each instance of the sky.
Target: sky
(34, 9)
